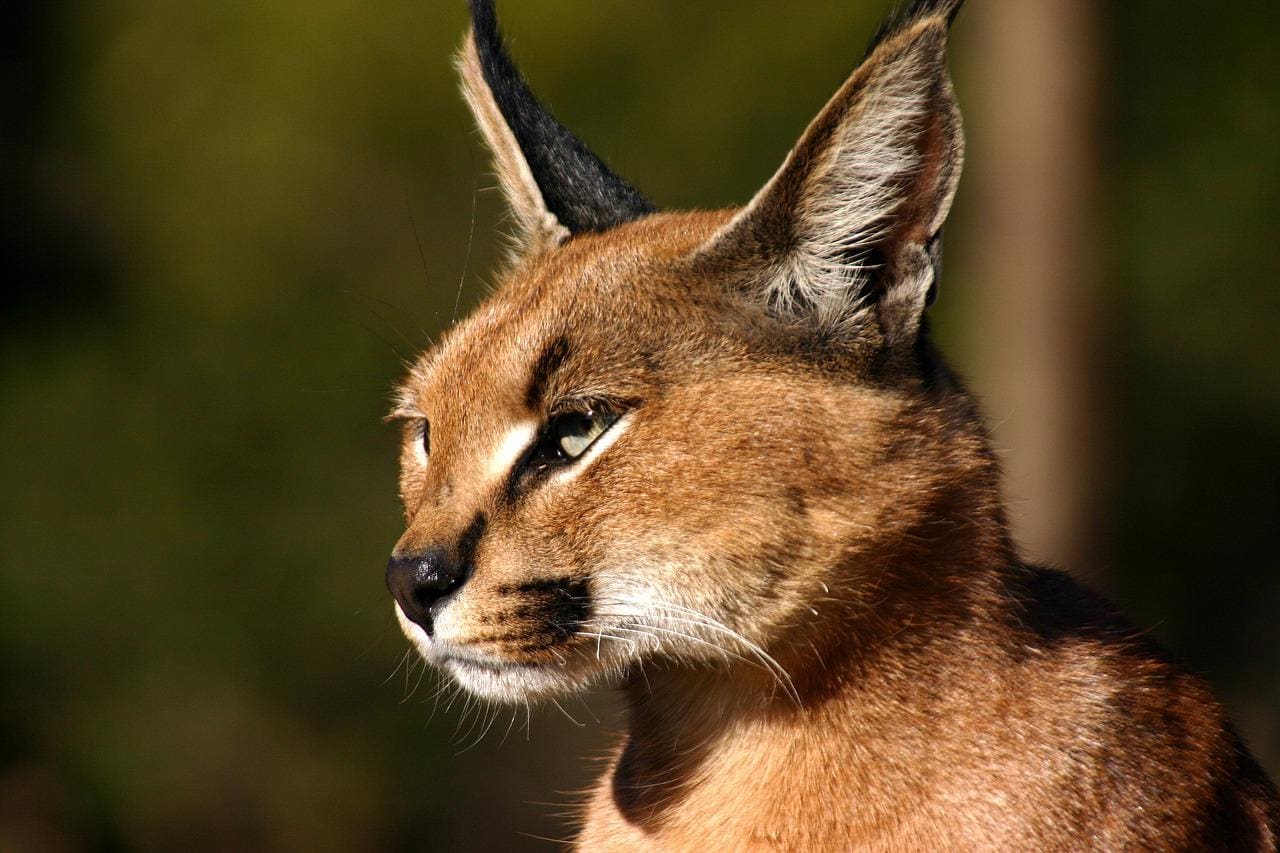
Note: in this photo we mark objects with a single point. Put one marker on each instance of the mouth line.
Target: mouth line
(502, 679)
(497, 667)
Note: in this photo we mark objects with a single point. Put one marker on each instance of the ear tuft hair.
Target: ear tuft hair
(904, 15)
(575, 185)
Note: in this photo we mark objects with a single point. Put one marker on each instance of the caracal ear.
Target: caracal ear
(555, 185)
(846, 235)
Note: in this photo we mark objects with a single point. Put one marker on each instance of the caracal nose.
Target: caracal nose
(422, 581)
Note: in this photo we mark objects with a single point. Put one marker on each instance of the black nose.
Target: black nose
(420, 582)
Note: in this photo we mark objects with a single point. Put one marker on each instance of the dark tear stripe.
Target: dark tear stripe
(511, 491)
(562, 603)
(564, 586)
(552, 358)
(469, 540)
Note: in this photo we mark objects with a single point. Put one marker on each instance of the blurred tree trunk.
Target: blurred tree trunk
(1032, 116)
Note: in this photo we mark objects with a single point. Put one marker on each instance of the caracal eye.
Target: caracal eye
(424, 440)
(576, 432)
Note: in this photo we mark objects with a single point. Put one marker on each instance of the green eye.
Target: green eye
(572, 434)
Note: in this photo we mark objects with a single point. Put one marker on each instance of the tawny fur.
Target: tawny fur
(790, 551)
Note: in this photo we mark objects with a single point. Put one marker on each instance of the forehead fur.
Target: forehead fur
(610, 294)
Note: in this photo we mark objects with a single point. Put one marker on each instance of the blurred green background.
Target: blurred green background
(225, 227)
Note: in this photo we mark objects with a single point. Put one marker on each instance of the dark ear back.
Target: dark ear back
(555, 184)
(846, 235)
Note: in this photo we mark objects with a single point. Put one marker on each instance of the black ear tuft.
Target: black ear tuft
(906, 14)
(576, 186)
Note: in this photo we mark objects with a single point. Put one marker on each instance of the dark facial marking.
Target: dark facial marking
(559, 605)
(549, 361)
(470, 539)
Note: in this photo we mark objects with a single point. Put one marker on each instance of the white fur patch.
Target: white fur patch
(412, 630)
(513, 443)
(420, 444)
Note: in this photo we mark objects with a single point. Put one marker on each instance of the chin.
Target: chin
(499, 680)
(515, 683)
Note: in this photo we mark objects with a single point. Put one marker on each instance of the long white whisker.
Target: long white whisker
(510, 726)
(459, 692)
(600, 635)
(492, 716)
(567, 715)
(442, 685)
(404, 659)
(702, 641)
(665, 610)
(779, 673)
(472, 703)
(410, 692)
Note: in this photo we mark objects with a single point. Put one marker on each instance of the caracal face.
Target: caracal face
(681, 438)
(715, 458)
(694, 525)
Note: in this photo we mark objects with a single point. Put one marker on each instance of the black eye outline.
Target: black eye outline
(425, 437)
(599, 419)
(547, 452)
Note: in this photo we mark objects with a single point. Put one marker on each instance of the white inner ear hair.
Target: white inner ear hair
(849, 201)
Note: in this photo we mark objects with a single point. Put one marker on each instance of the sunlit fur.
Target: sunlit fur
(789, 551)
(695, 469)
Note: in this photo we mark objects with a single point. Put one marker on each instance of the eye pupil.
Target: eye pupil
(572, 434)
(426, 436)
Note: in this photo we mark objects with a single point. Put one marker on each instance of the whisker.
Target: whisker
(404, 658)
(421, 674)
(355, 294)
(442, 687)
(665, 610)
(377, 335)
(493, 710)
(685, 636)
(480, 712)
(469, 704)
(454, 697)
(471, 239)
(510, 726)
(567, 715)
(766, 660)
(407, 691)
(601, 635)
(645, 675)
(422, 256)
(582, 700)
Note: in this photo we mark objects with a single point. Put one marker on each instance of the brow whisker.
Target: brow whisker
(471, 239)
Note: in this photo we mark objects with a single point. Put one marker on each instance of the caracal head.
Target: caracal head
(675, 438)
